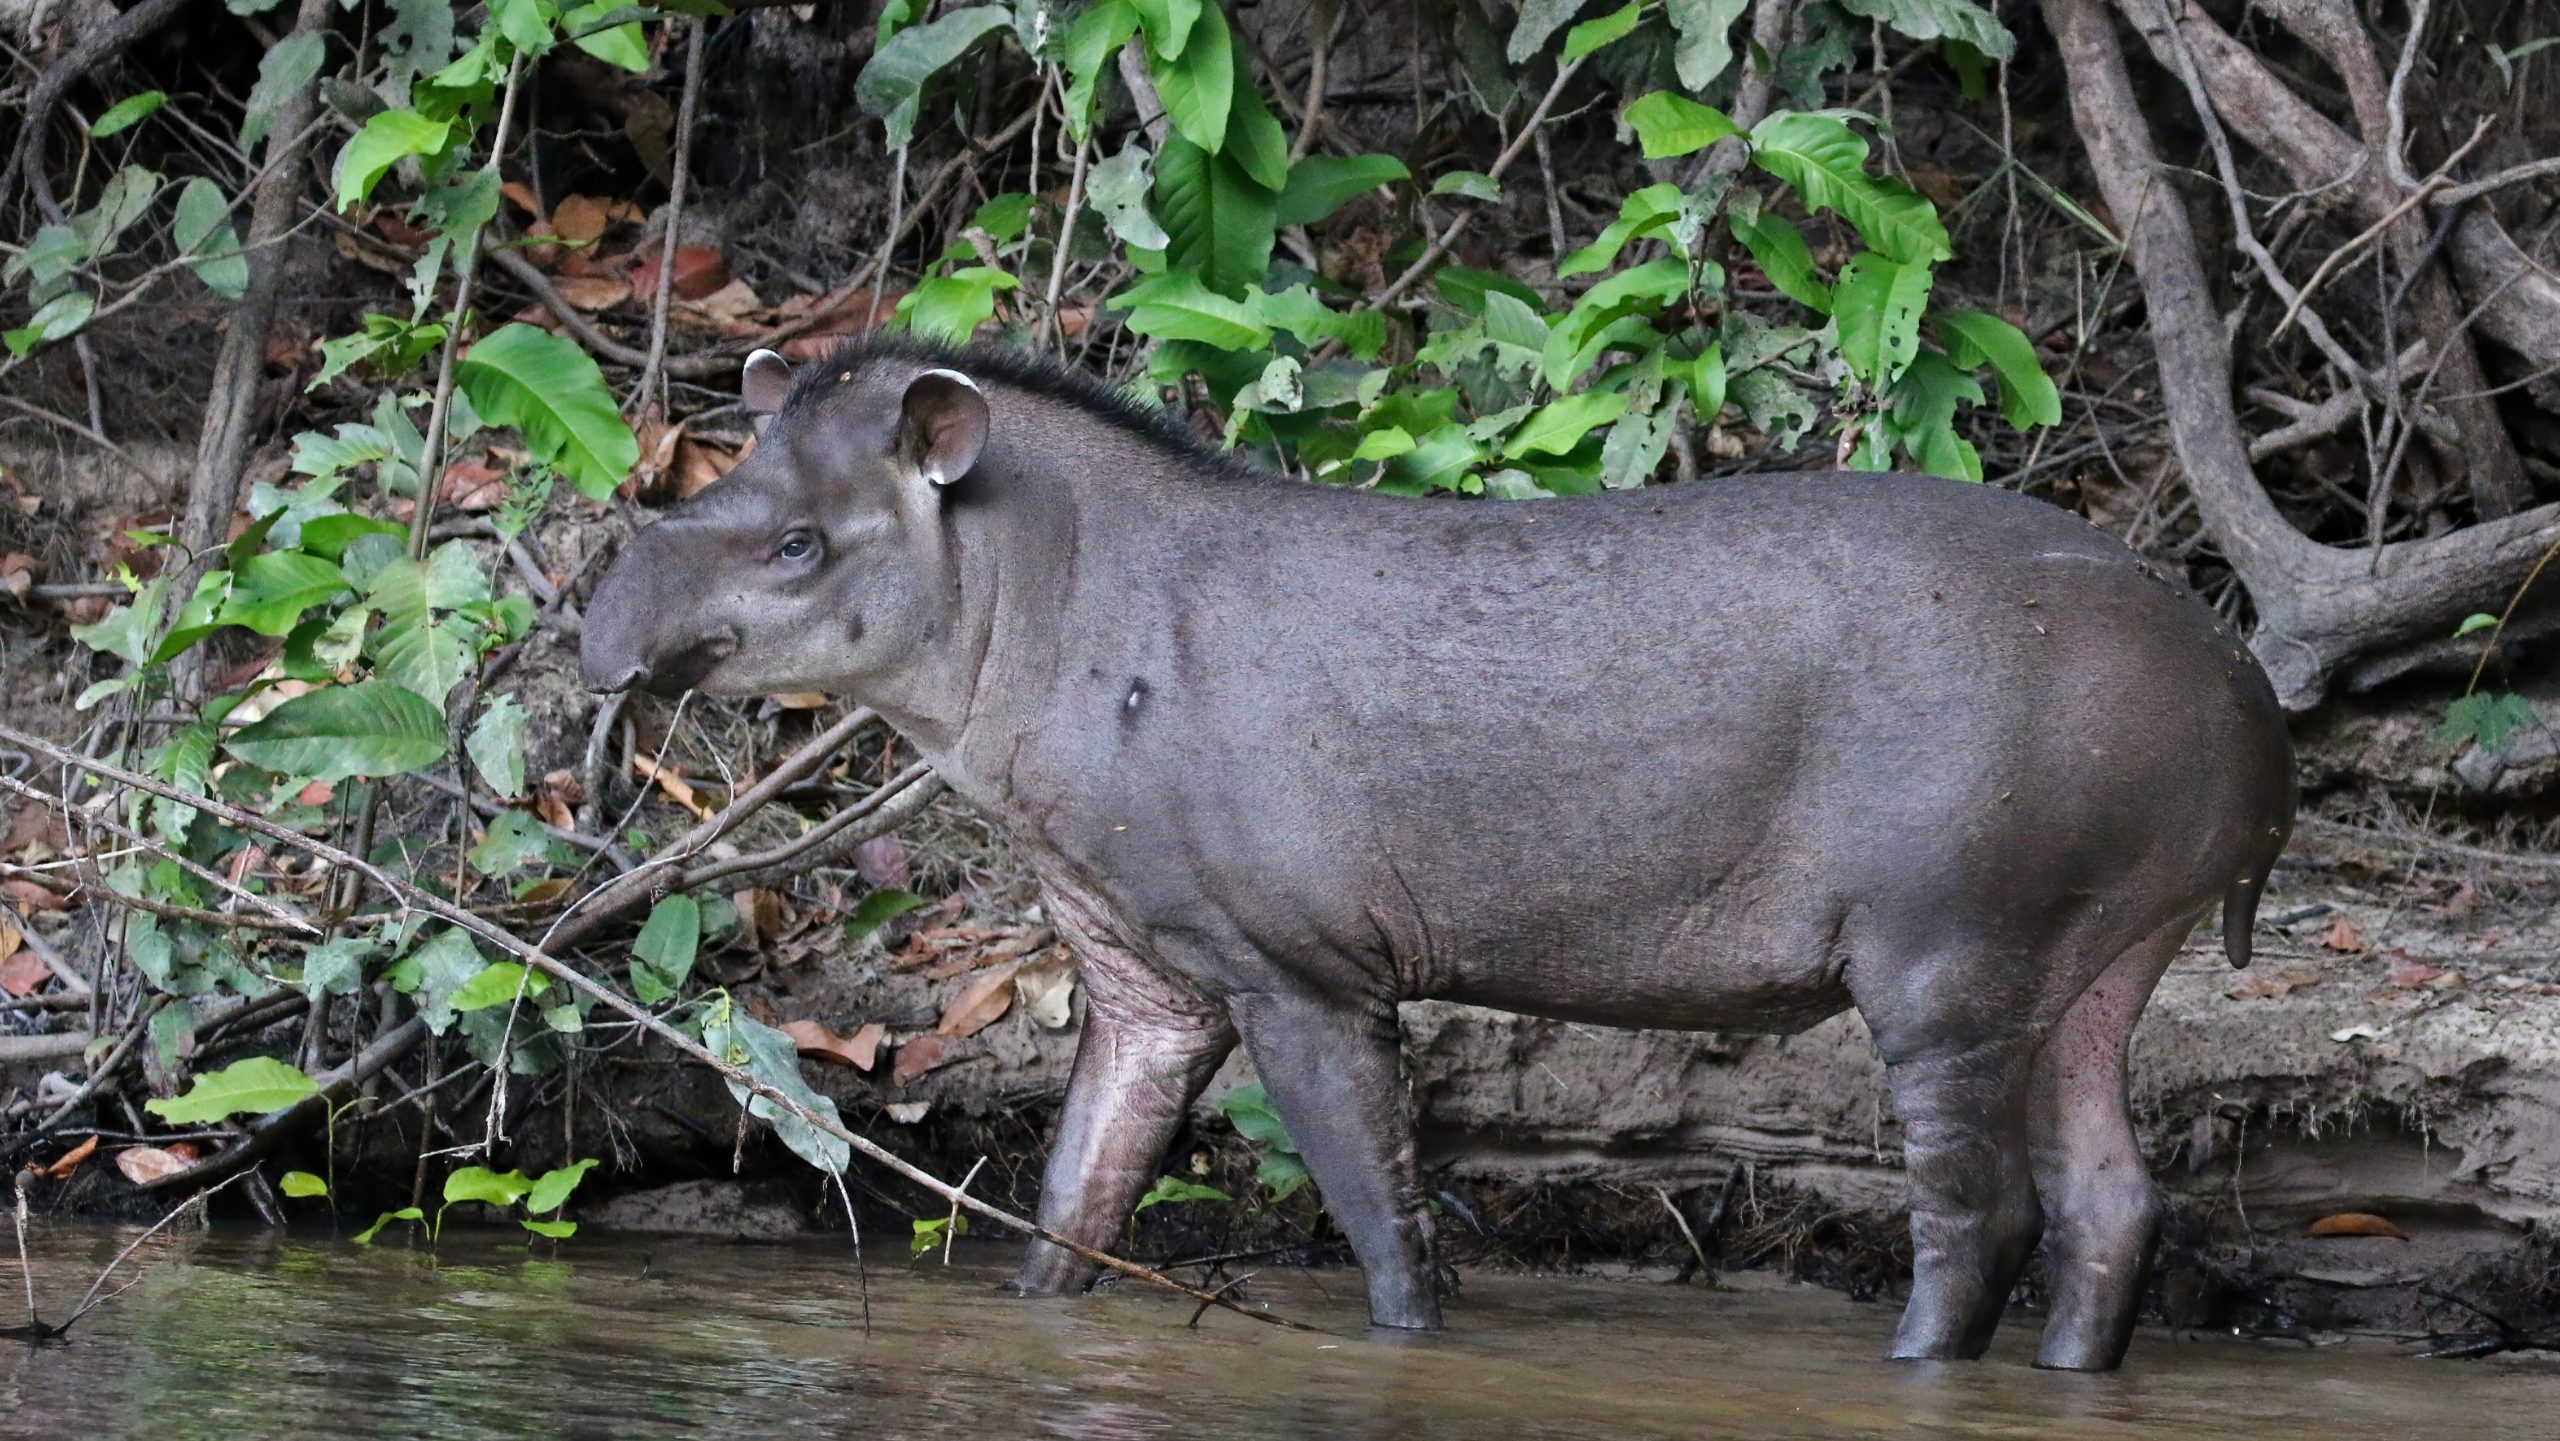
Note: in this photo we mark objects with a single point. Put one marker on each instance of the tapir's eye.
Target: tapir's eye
(798, 545)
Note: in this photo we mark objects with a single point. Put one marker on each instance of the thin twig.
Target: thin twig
(652, 375)
(212, 878)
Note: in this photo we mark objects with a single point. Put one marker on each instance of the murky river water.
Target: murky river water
(232, 1336)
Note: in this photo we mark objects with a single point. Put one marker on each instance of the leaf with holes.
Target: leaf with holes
(1118, 189)
(371, 728)
(1878, 304)
(1705, 45)
(1940, 19)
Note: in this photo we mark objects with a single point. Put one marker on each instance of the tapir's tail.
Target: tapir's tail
(2240, 903)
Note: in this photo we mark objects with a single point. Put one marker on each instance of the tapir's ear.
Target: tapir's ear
(944, 425)
(766, 384)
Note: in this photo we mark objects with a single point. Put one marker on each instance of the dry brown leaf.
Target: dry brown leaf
(698, 272)
(61, 1170)
(580, 219)
(2355, 1223)
(2275, 987)
(1047, 988)
(670, 779)
(18, 574)
(2408, 972)
(522, 195)
(593, 292)
(30, 898)
(143, 1165)
(557, 803)
(700, 462)
(318, 793)
(916, 1056)
(760, 916)
(861, 1050)
(470, 485)
(980, 1005)
(882, 860)
(2343, 936)
(734, 301)
(800, 699)
(23, 971)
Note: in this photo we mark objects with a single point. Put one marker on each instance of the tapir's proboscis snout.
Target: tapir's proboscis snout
(1733, 754)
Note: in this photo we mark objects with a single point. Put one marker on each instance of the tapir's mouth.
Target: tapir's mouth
(674, 672)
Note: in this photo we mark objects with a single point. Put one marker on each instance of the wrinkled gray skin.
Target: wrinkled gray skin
(1733, 755)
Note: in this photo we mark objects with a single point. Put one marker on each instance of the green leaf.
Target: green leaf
(951, 307)
(2477, 621)
(371, 728)
(878, 909)
(496, 985)
(1470, 184)
(282, 74)
(1539, 19)
(620, 45)
(1778, 248)
(1705, 46)
(1934, 19)
(334, 968)
(271, 590)
(1117, 189)
(1253, 134)
(1170, 24)
(387, 139)
(662, 956)
(770, 1057)
(1672, 125)
(1092, 40)
(436, 972)
(1322, 184)
(203, 230)
(496, 746)
(1773, 404)
(1385, 444)
(2488, 720)
(1560, 425)
(2027, 394)
(405, 1213)
(1705, 376)
(1298, 311)
(415, 649)
(556, 1230)
(1219, 219)
(1878, 304)
(1590, 35)
(1248, 1109)
(1176, 306)
(255, 1086)
(1825, 162)
(479, 1183)
(1641, 213)
(1921, 419)
(551, 1191)
(1198, 86)
(514, 838)
(57, 319)
(550, 390)
(301, 1185)
(896, 76)
(126, 113)
(1635, 445)
(1174, 1188)
(1283, 1174)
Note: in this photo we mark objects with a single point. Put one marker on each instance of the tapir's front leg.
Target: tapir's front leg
(1150, 1043)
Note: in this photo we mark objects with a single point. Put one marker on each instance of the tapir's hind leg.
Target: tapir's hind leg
(2101, 1210)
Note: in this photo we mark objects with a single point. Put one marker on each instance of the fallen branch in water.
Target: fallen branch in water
(36, 1329)
(411, 897)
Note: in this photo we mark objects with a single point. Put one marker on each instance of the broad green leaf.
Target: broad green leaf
(620, 45)
(416, 649)
(496, 746)
(334, 968)
(1779, 250)
(1921, 418)
(479, 1183)
(1298, 311)
(405, 1213)
(1321, 184)
(1878, 304)
(1560, 425)
(1171, 25)
(1118, 190)
(951, 307)
(1198, 86)
(254, 1086)
(1254, 137)
(1934, 19)
(2027, 394)
(1176, 306)
(436, 972)
(896, 76)
(1773, 404)
(525, 23)
(550, 390)
(126, 113)
(1438, 461)
(1174, 1188)
(1705, 377)
(1219, 219)
(57, 319)
(1825, 162)
(1705, 46)
(2488, 720)
(662, 956)
(271, 590)
(1607, 29)
(1672, 125)
(1093, 39)
(1384, 444)
(1469, 184)
(878, 909)
(371, 728)
(770, 1057)
(125, 632)
(1539, 19)
(121, 201)
(203, 230)
(387, 139)
(555, 1230)
(198, 618)
(286, 68)
(1640, 214)
(551, 1189)
(495, 986)
(302, 1185)
(513, 839)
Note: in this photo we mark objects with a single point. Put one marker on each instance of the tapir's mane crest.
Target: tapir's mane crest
(850, 363)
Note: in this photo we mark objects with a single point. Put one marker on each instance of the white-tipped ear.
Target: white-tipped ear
(766, 382)
(944, 425)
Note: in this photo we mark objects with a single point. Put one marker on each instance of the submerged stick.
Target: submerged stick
(413, 898)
